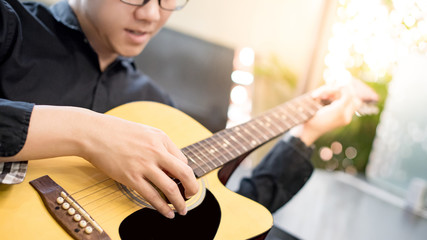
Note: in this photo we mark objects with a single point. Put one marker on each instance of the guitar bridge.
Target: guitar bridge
(66, 211)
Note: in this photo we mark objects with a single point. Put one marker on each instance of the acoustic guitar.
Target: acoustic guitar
(66, 197)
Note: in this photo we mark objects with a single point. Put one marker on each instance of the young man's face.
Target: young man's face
(114, 27)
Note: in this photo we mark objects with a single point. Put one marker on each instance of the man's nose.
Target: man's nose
(150, 11)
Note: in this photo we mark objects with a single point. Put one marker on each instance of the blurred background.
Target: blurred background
(249, 56)
(370, 178)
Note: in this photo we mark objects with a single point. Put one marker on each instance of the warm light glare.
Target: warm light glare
(350, 152)
(247, 56)
(242, 77)
(239, 95)
(336, 147)
(325, 153)
(372, 37)
(238, 114)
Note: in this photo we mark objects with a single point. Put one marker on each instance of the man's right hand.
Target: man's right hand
(133, 154)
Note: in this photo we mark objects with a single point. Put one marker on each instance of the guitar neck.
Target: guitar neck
(231, 143)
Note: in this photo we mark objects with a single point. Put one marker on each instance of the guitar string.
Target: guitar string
(98, 202)
(90, 186)
(227, 144)
(215, 150)
(224, 146)
(206, 151)
(201, 156)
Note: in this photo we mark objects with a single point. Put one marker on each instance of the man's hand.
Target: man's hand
(344, 100)
(138, 156)
(133, 154)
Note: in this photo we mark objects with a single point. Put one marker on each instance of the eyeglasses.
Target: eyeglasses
(169, 5)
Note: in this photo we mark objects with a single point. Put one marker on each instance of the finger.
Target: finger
(326, 92)
(185, 174)
(175, 151)
(151, 195)
(345, 106)
(170, 189)
(363, 91)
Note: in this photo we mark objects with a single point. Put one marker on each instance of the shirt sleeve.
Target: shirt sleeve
(280, 175)
(8, 28)
(14, 122)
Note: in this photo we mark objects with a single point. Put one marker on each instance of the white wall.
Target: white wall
(287, 28)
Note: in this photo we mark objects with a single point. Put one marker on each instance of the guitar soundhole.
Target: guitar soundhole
(199, 223)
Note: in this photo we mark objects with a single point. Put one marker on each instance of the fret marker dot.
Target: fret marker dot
(253, 142)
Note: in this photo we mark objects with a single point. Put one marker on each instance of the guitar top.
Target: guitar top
(217, 212)
(113, 210)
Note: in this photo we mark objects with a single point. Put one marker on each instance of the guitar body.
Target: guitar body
(217, 212)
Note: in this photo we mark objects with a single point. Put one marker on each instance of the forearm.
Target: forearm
(280, 175)
(55, 131)
(133, 154)
(305, 134)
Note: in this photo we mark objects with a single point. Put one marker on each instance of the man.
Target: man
(71, 61)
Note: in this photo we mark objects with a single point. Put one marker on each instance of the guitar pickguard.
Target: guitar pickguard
(149, 224)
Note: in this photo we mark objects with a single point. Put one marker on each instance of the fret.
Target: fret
(258, 130)
(279, 117)
(311, 105)
(286, 110)
(266, 126)
(201, 156)
(228, 144)
(311, 108)
(193, 164)
(254, 141)
(223, 146)
(227, 134)
(237, 131)
(315, 105)
(215, 150)
(206, 154)
(285, 122)
(279, 129)
(237, 142)
(196, 167)
(281, 122)
(299, 110)
(191, 156)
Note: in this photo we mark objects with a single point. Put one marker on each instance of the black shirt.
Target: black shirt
(46, 59)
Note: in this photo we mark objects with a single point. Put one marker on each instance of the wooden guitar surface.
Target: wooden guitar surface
(24, 216)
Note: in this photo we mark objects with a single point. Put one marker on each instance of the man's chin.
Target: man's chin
(131, 51)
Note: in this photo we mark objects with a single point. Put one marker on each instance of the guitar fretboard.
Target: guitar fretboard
(231, 143)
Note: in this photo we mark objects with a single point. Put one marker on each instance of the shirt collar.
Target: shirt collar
(63, 13)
